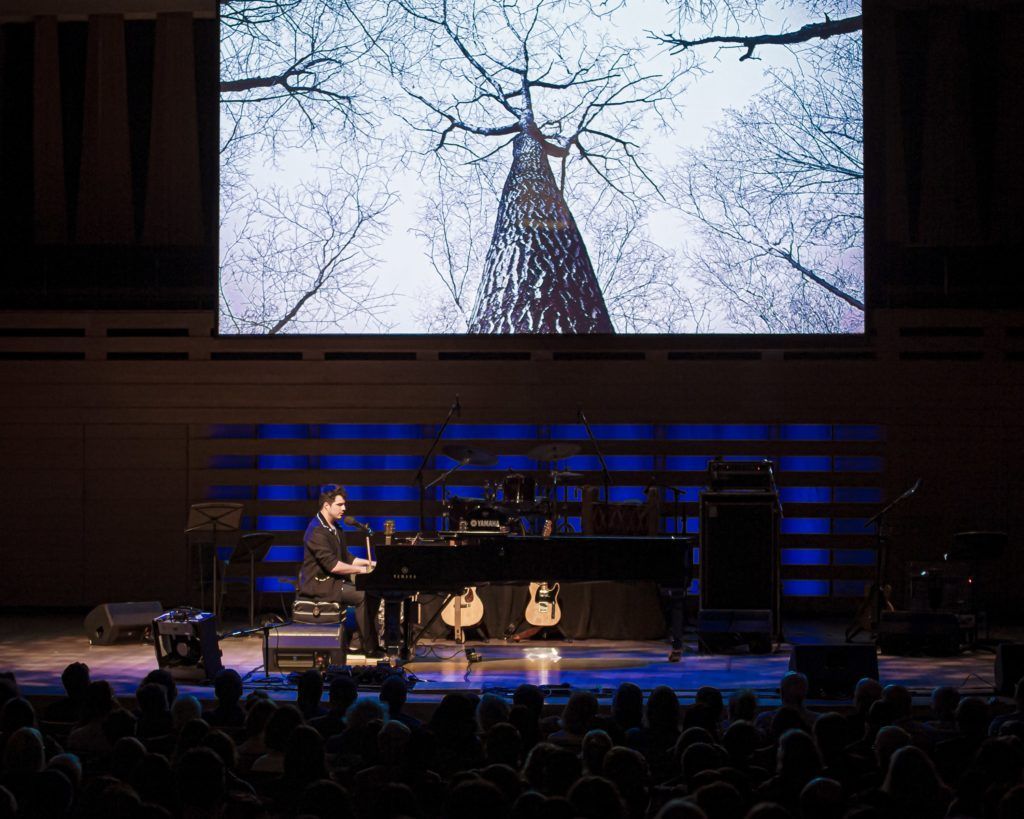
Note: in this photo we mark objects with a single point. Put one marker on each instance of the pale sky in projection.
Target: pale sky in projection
(728, 83)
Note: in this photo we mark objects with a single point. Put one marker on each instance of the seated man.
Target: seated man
(327, 568)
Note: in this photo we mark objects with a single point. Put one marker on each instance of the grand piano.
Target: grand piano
(481, 559)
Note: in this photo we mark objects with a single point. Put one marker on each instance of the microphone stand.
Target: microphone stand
(604, 467)
(676, 492)
(418, 479)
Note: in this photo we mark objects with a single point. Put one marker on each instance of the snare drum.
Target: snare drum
(518, 488)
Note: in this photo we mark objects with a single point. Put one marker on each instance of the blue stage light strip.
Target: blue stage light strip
(804, 557)
(857, 432)
(858, 463)
(282, 431)
(804, 526)
(857, 494)
(271, 585)
(852, 526)
(369, 432)
(284, 554)
(804, 463)
(492, 432)
(369, 461)
(282, 462)
(805, 494)
(609, 432)
(805, 588)
(626, 493)
(805, 432)
(383, 493)
(277, 492)
(718, 432)
(853, 557)
(282, 523)
(687, 463)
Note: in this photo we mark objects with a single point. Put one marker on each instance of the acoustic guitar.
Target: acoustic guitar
(464, 611)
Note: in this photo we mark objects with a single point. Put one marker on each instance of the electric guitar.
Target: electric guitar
(542, 610)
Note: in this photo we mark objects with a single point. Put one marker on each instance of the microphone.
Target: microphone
(351, 521)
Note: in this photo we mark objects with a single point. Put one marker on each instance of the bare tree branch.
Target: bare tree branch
(812, 31)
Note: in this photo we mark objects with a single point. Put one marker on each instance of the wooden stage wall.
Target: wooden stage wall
(112, 425)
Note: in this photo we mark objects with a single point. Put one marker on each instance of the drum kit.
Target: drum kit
(516, 504)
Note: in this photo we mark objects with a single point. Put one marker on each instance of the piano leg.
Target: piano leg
(677, 610)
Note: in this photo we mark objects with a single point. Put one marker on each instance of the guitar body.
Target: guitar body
(543, 610)
(865, 618)
(464, 611)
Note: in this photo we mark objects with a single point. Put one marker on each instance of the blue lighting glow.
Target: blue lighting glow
(805, 494)
(282, 523)
(493, 432)
(359, 432)
(718, 432)
(852, 526)
(283, 493)
(282, 462)
(804, 526)
(853, 557)
(805, 432)
(284, 554)
(858, 463)
(857, 432)
(282, 431)
(611, 432)
(230, 462)
(805, 463)
(383, 493)
(850, 588)
(805, 588)
(369, 461)
(804, 557)
(857, 494)
(687, 463)
(627, 493)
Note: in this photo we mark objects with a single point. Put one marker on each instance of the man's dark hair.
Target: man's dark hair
(331, 492)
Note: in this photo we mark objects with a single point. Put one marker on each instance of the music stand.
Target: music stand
(214, 517)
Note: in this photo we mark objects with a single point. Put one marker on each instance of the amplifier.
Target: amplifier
(748, 475)
(299, 646)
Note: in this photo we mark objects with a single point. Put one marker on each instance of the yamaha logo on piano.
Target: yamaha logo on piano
(404, 574)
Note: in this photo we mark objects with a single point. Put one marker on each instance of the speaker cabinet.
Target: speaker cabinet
(1009, 667)
(833, 670)
(110, 623)
(300, 646)
(927, 633)
(738, 551)
(187, 644)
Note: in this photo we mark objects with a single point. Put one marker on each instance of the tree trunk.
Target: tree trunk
(537, 275)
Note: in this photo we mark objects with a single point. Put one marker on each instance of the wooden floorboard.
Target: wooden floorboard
(37, 648)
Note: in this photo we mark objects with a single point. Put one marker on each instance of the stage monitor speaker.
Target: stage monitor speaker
(300, 646)
(109, 623)
(187, 644)
(1009, 667)
(833, 670)
(737, 551)
(927, 633)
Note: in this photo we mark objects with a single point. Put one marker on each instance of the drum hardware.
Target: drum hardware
(469, 455)
(553, 452)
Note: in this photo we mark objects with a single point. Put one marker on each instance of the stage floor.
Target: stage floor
(38, 647)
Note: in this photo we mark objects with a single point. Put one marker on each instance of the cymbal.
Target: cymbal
(469, 454)
(553, 451)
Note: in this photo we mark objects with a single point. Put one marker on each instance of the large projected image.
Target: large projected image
(546, 166)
